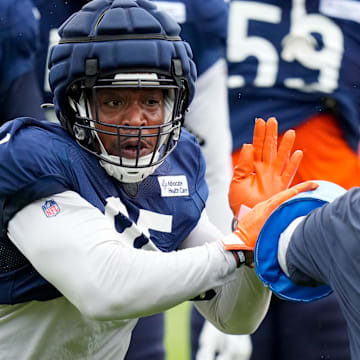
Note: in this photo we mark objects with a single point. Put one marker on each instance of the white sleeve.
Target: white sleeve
(91, 264)
(284, 242)
(240, 305)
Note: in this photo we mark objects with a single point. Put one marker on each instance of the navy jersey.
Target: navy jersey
(53, 13)
(18, 40)
(39, 159)
(294, 59)
(19, 31)
(204, 27)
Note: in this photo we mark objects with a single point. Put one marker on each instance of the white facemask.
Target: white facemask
(132, 174)
(127, 172)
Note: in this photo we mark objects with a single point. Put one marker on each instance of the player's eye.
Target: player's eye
(113, 103)
(152, 102)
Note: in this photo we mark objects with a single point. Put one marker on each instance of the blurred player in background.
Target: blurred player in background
(204, 26)
(299, 60)
(19, 39)
(52, 14)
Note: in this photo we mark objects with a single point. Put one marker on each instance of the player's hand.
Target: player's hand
(215, 345)
(263, 170)
(250, 225)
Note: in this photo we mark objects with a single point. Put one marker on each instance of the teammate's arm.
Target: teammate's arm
(322, 247)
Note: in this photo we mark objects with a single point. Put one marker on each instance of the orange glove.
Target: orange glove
(263, 170)
(250, 225)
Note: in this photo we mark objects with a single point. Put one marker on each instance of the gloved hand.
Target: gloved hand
(215, 345)
(263, 170)
(249, 226)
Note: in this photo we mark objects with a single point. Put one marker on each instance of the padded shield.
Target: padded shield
(266, 263)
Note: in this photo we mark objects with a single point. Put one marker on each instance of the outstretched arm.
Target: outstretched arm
(324, 246)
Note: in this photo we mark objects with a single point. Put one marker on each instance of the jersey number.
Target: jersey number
(148, 220)
(299, 45)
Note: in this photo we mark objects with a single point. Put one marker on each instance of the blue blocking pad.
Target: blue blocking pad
(266, 263)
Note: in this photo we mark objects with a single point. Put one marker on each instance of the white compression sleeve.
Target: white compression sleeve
(284, 242)
(92, 265)
(240, 305)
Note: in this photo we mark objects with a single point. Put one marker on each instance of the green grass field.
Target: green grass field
(177, 332)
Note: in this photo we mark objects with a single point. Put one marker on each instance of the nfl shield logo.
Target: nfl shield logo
(51, 208)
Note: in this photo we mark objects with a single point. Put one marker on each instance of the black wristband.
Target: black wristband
(239, 257)
(244, 257)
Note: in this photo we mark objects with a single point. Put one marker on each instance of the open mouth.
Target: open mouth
(131, 148)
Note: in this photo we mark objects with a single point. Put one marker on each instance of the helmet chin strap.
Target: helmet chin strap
(127, 172)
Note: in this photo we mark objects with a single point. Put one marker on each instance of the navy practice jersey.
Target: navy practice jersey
(53, 13)
(18, 34)
(293, 59)
(19, 30)
(39, 160)
(204, 27)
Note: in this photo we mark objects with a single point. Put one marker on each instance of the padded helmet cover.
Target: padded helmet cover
(128, 35)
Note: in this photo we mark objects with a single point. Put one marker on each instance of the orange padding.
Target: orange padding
(327, 156)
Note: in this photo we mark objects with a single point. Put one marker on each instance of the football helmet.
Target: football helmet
(121, 44)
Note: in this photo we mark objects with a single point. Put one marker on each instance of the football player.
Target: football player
(298, 60)
(149, 331)
(204, 27)
(94, 208)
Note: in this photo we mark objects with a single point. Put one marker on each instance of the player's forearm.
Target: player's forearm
(322, 245)
(240, 305)
(144, 283)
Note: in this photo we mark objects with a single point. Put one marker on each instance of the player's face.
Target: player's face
(129, 107)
